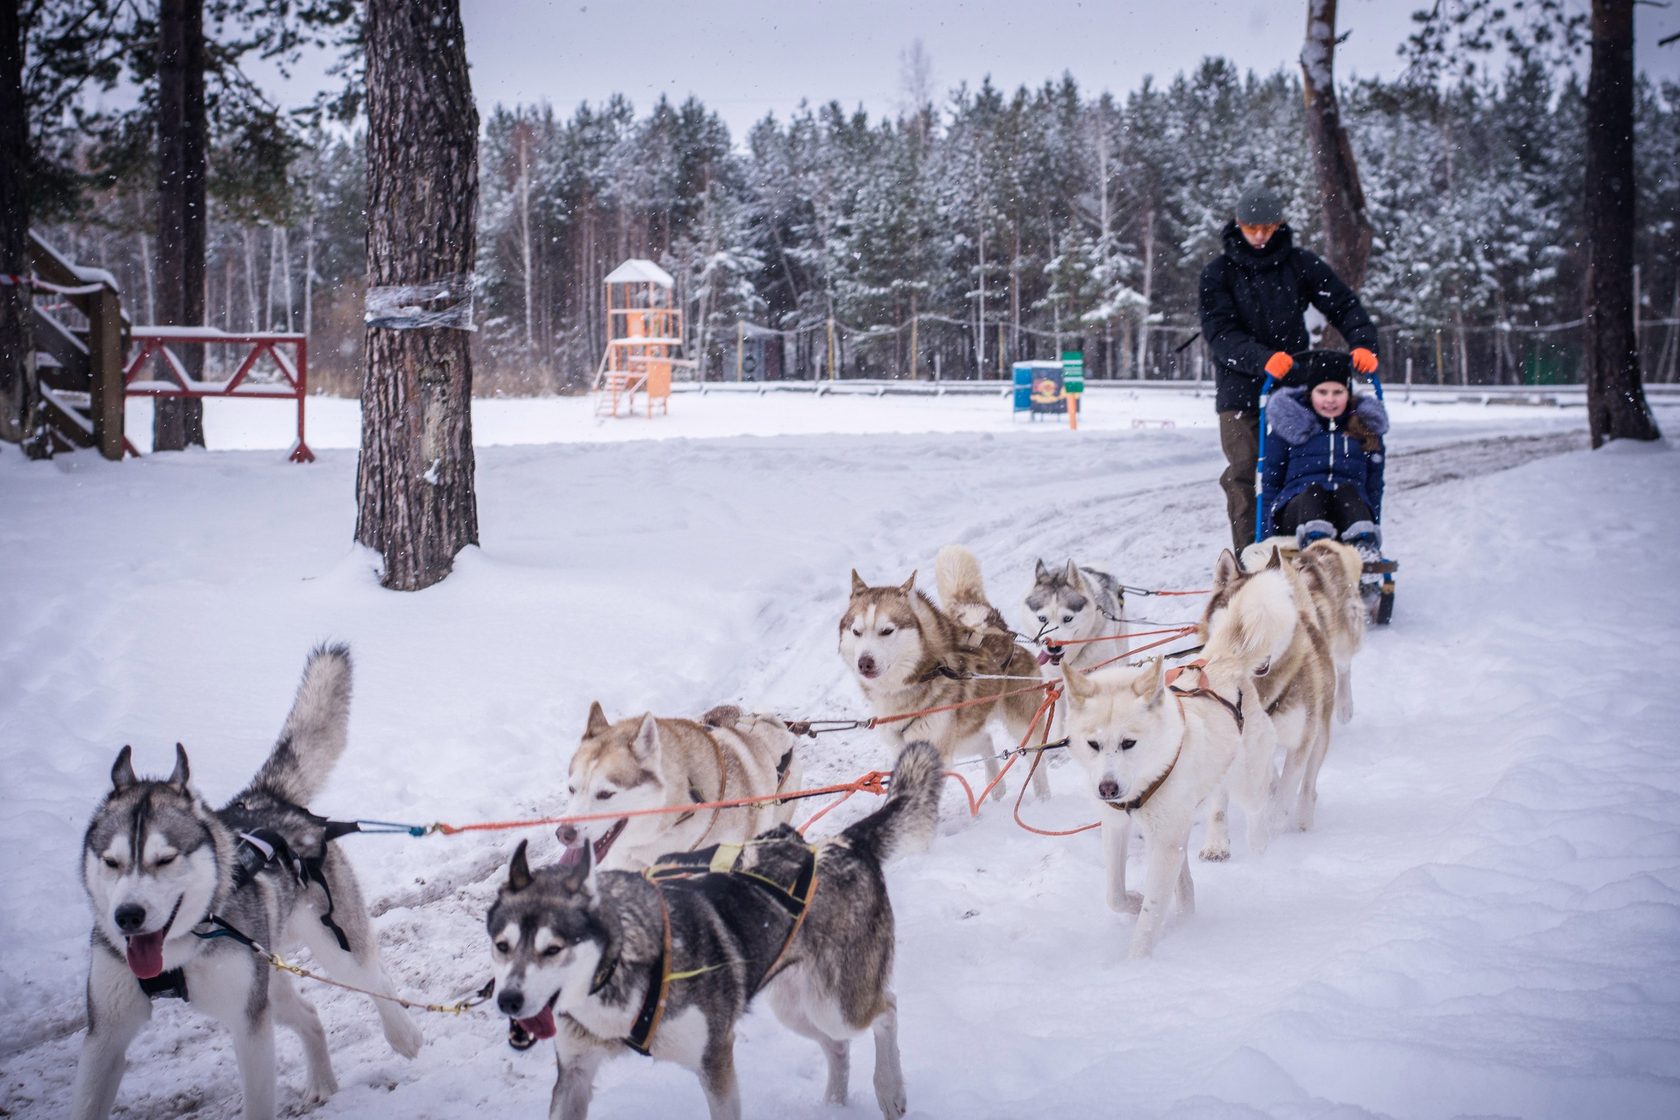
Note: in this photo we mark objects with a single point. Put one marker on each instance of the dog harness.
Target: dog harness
(165, 985)
(685, 870)
(698, 797)
(264, 847)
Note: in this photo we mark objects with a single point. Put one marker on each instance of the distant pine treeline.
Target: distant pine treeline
(958, 238)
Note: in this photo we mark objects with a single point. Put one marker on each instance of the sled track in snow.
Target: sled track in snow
(1450, 462)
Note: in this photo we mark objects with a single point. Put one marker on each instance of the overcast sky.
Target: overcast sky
(746, 58)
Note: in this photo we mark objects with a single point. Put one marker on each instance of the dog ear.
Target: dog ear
(1077, 686)
(1276, 561)
(646, 741)
(597, 722)
(1151, 683)
(908, 585)
(1040, 573)
(180, 775)
(858, 586)
(519, 872)
(1225, 569)
(1075, 581)
(122, 771)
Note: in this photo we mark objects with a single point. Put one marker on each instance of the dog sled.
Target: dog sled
(1382, 608)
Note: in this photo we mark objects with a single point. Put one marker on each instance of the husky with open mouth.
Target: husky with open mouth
(177, 889)
(664, 962)
(645, 763)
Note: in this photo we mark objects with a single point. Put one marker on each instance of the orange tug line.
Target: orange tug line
(875, 781)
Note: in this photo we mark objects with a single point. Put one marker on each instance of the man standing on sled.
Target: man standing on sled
(1254, 299)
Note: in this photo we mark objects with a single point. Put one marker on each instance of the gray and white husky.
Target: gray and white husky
(168, 877)
(1072, 603)
(665, 961)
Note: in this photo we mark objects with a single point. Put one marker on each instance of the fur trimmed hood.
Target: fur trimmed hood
(1291, 417)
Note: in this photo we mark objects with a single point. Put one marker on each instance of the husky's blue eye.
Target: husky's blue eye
(502, 947)
(552, 951)
(1127, 744)
(1067, 618)
(112, 862)
(604, 795)
(886, 631)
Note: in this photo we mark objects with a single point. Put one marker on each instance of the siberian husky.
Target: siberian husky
(167, 876)
(1332, 570)
(1268, 620)
(666, 961)
(1075, 604)
(647, 763)
(1151, 756)
(904, 652)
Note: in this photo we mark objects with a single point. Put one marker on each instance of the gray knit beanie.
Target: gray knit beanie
(1259, 207)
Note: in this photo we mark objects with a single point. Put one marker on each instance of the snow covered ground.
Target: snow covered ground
(1485, 920)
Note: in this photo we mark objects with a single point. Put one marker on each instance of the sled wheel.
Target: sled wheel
(1385, 603)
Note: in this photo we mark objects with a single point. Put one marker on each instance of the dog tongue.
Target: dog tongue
(542, 1025)
(571, 856)
(145, 954)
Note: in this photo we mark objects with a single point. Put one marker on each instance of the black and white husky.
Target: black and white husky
(175, 884)
(665, 961)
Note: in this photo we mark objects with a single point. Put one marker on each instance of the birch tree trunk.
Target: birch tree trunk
(415, 500)
(1616, 407)
(183, 135)
(1347, 231)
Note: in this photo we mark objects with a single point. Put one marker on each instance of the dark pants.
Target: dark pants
(1341, 507)
(1239, 436)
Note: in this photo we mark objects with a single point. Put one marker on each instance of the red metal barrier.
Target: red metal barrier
(159, 344)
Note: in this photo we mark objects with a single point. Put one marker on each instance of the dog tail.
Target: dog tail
(315, 732)
(957, 574)
(911, 810)
(1257, 625)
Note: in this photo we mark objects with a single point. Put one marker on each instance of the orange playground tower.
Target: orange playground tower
(644, 339)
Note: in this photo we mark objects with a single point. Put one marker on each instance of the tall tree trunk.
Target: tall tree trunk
(19, 397)
(1616, 407)
(1347, 231)
(415, 500)
(183, 136)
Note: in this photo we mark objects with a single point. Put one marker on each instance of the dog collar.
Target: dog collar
(165, 985)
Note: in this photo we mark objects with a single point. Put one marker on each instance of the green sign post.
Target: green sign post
(1073, 383)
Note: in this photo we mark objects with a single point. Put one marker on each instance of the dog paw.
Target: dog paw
(319, 1091)
(1130, 903)
(1215, 853)
(405, 1038)
(893, 1106)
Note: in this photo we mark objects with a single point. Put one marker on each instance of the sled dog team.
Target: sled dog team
(656, 928)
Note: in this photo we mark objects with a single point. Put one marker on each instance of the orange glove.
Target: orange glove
(1279, 365)
(1363, 360)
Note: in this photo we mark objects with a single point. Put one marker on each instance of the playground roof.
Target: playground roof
(638, 271)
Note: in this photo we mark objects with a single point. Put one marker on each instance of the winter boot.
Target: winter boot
(1310, 531)
(1366, 539)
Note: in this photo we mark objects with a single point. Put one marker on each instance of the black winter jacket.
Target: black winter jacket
(1254, 304)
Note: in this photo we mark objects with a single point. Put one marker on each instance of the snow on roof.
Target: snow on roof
(638, 271)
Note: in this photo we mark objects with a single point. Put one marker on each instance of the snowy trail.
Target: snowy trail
(1478, 925)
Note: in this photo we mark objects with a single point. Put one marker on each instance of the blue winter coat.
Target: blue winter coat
(1303, 447)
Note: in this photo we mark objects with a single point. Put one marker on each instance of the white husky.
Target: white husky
(1152, 755)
